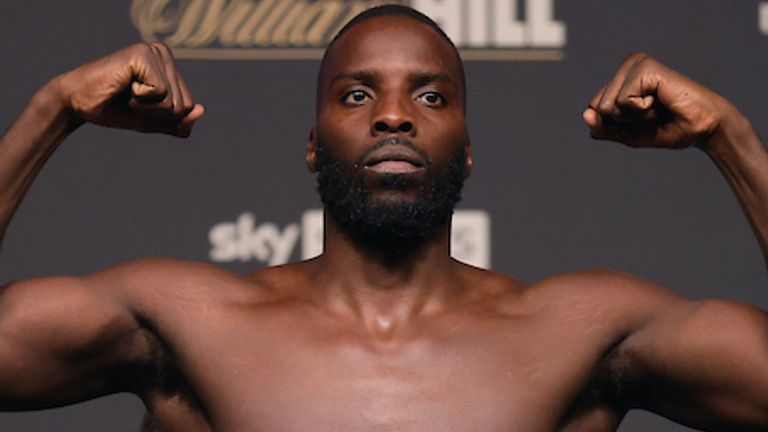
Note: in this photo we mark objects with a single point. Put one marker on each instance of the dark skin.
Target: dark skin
(349, 341)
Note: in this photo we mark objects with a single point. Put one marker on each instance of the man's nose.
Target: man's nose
(392, 115)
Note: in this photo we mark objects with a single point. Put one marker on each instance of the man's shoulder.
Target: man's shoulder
(600, 281)
(606, 292)
(164, 270)
(606, 284)
(158, 279)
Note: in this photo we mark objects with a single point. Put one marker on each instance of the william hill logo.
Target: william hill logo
(300, 29)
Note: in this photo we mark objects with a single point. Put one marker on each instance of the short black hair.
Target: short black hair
(393, 9)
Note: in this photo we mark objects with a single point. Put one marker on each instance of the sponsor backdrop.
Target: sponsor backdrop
(543, 199)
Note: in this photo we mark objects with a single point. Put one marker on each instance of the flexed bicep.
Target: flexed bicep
(67, 339)
(704, 364)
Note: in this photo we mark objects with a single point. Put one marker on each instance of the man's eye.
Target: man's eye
(356, 97)
(431, 99)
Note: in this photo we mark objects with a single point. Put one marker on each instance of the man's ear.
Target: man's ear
(311, 157)
(469, 162)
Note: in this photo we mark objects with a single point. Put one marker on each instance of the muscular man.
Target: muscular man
(383, 331)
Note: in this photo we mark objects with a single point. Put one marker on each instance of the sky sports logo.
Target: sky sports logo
(248, 239)
(300, 29)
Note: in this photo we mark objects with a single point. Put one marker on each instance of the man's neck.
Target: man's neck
(385, 291)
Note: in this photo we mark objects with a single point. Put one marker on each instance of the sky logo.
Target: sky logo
(247, 239)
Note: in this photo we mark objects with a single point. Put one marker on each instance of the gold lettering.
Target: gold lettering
(246, 23)
(215, 18)
(264, 32)
(152, 17)
(233, 21)
(259, 28)
(245, 34)
(189, 21)
(298, 31)
(280, 34)
(354, 9)
(313, 26)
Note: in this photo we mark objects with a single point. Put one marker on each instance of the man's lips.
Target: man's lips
(394, 159)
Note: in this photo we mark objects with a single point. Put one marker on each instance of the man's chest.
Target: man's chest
(251, 376)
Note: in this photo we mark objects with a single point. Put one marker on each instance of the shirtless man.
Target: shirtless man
(383, 331)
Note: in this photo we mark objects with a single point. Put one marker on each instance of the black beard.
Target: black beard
(389, 228)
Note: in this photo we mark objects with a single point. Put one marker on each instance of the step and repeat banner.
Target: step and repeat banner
(544, 198)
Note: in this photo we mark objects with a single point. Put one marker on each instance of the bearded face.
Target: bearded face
(404, 213)
(390, 142)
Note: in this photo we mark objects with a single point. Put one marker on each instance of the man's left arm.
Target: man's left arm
(701, 363)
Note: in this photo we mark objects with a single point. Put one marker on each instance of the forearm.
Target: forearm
(742, 158)
(30, 141)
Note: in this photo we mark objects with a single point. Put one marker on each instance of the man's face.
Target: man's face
(390, 142)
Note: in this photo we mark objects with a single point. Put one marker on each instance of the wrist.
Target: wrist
(734, 135)
(52, 104)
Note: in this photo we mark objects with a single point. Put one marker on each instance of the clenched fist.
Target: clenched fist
(646, 104)
(135, 88)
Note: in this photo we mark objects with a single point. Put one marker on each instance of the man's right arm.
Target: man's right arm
(135, 88)
(66, 339)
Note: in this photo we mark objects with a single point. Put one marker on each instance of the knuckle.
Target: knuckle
(165, 105)
(635, 57)
(605, 107)
(160, 46)
(627, 101)
(624, 102)
(140, 55)
(646, 65)
(162, 50)
(161, 90)
(141, 50)
(178, 110)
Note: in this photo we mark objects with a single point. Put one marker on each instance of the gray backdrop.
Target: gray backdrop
(558, 201)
